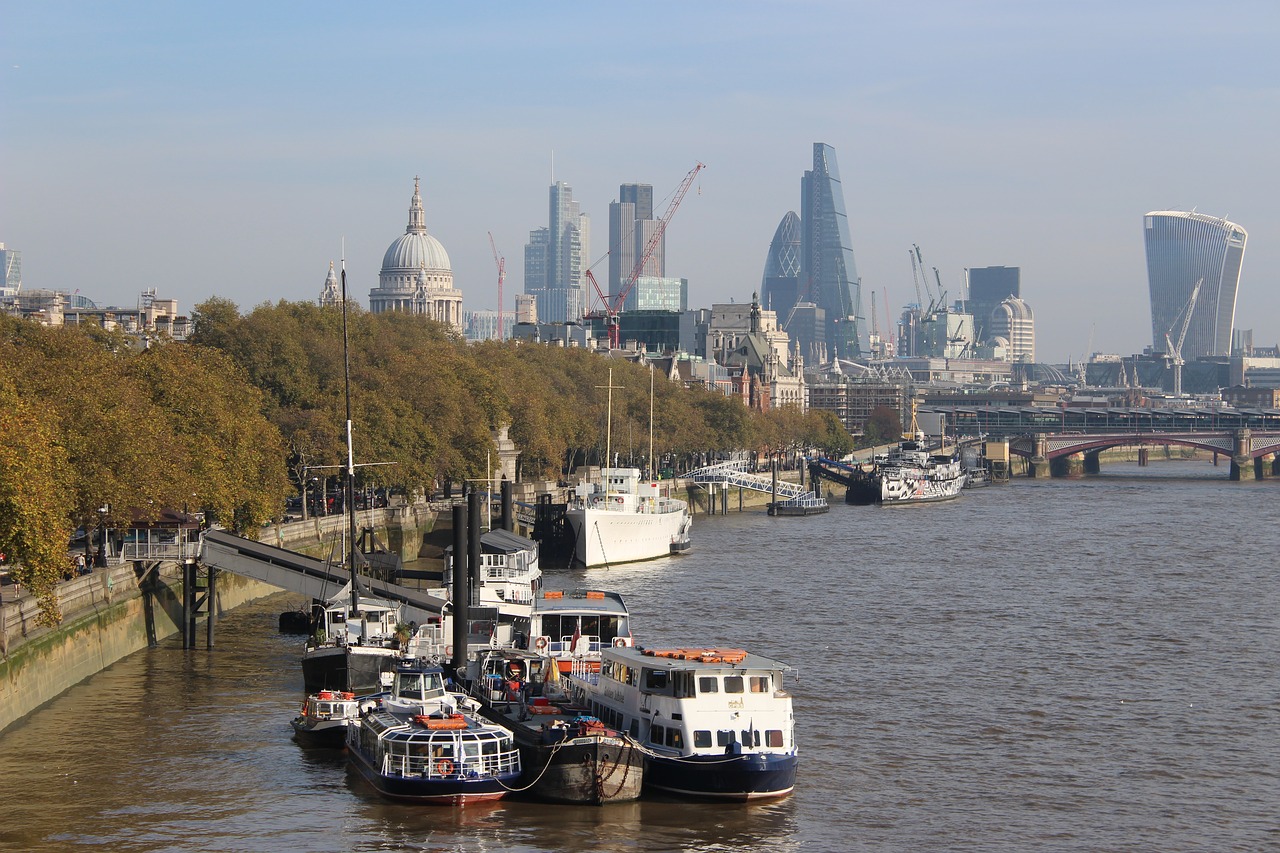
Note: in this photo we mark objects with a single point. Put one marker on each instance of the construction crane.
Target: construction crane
(501, 263)
(611, 311)
(1175, 350)
(877, 348)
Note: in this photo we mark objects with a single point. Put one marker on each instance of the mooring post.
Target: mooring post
(212, 604)
(188, 604)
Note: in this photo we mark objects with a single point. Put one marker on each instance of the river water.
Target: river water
(1081, 664)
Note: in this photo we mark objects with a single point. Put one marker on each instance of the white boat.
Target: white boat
(908, 473)
(714, 723)
(355, 641)
(624, 518)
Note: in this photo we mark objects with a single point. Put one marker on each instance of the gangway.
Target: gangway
(830, 469)
(732, 474)
(299, 573)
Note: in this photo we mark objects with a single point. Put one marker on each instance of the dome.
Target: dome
(415, 251)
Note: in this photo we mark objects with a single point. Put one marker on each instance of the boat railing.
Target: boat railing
(565, 645)
(580, 669)
(444, 767)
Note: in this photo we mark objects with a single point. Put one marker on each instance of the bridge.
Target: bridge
(727, 475)
(1067, 440)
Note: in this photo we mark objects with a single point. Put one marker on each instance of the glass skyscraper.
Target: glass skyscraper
(1183, 248)
(988, 287)
(554, 260)
(828, 276)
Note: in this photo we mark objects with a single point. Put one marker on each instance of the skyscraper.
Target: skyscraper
(631, 227)
(988, 287)
(1014, 321)
(1183, 248)
(554, 259)
(828, 276)
(780, 283)
(10, 272)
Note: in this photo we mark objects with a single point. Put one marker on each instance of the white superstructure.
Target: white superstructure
(625, 519)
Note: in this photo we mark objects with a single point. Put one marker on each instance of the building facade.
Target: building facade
(416, 277)
(10, 273)
(1183, 248)
(1014, 321)
(780, 284)
(559, 286)
(988, 287)
(631, 228)
(828, 275)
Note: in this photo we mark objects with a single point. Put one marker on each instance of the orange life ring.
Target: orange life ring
(619, 642)
(444, 767)
(541, 643)
(448, 651)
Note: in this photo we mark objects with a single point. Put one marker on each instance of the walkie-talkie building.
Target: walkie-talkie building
(1183, 248)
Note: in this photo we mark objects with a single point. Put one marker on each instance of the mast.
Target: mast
(350, 486)
(650, 420)
(608, 426)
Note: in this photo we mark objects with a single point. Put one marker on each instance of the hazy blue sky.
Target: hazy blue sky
(227, 148)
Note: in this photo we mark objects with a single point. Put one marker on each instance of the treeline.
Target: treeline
(95, 430)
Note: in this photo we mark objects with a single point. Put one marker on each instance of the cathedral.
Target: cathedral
(416, 277)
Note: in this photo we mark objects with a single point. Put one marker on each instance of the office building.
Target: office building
(631, 228)
(1013, 321)
(780, 284)
(828, 276)
(1183, 248)
(10, 272)
(555, 258)
(988, 287)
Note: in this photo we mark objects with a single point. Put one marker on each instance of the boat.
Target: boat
(907, 474)
(357, 638)
(572, 628)
(324, 717)
(625, 518)
(568, 755)
(422, 743)
(714, 723)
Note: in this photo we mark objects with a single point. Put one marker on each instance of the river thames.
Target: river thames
(1084, 664)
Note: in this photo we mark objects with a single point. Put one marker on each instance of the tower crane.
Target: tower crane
(501, 263)
(1175, 350)
(612, 310)
(876, 346)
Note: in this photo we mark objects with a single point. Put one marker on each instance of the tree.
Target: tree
(883, 425)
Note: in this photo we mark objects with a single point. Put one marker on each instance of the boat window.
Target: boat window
(635, 729)
(725, 737)
(773, 737)
(675, 738)
(683, 683)
(702, 739)
(708, 684)
(656, 679)
(759, 684)
(733, 684)
(657, 734)
(750, 738)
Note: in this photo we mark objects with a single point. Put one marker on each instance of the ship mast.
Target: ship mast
(650, 420)
(350, 488)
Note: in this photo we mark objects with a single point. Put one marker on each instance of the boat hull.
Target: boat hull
(742, 777)
(441, 792)
(590, 771)
(357, 669)
(605, 537)
(330, 734)
(888, 489)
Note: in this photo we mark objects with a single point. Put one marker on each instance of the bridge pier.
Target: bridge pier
(1093, 462)
(1038, 464)
(1244, 468)
(1266, 466)
(1144, 456)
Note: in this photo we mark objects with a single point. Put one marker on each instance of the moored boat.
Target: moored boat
(355, 641)
(908, 473)
(715, 723)
(568, 756)
(324, 717)
(573, 627)
(424, 744)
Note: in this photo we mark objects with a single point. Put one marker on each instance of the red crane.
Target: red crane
(611, 311)
(502, 275)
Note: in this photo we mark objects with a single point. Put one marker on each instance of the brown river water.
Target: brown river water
(1081, 664)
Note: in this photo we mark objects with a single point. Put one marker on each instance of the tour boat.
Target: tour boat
(714, 723)
(568, 755)
(573, 627)
(421, 743)
(324, 718)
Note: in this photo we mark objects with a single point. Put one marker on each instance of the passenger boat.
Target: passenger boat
(355, 641)
(625, 518)
(568, 755)
(908, 473)
(572, 628)
(324, 718)
(421, 743)
(715, 723)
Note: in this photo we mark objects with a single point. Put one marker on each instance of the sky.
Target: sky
(233, 148)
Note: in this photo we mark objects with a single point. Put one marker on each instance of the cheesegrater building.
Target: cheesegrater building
(1183, 248)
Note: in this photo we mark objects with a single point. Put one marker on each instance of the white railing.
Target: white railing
(731, 474)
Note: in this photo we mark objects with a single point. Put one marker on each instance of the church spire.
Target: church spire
(417, 219)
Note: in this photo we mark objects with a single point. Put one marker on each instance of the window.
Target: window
(675, 738)
(759, 684)
(733, 684)
(773, 737)
(750, 737)
(708, 684)
(656, 679)
(635, 729)
(724, 738)
(702, 739)
(657, 734)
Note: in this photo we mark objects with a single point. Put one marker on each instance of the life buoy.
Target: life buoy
(541, 643)
(444, 767)
(618, 499)
(448, 651)
(619, 642)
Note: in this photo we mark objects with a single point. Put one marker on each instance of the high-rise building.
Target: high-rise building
(828, 276)
(988, 287)
(416, 276)
(1183, 248)
(631, 227)
(10, 272)
(555, 259)
(1014, 321)
(780, 284)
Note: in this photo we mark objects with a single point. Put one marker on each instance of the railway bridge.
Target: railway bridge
(1068, 440)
